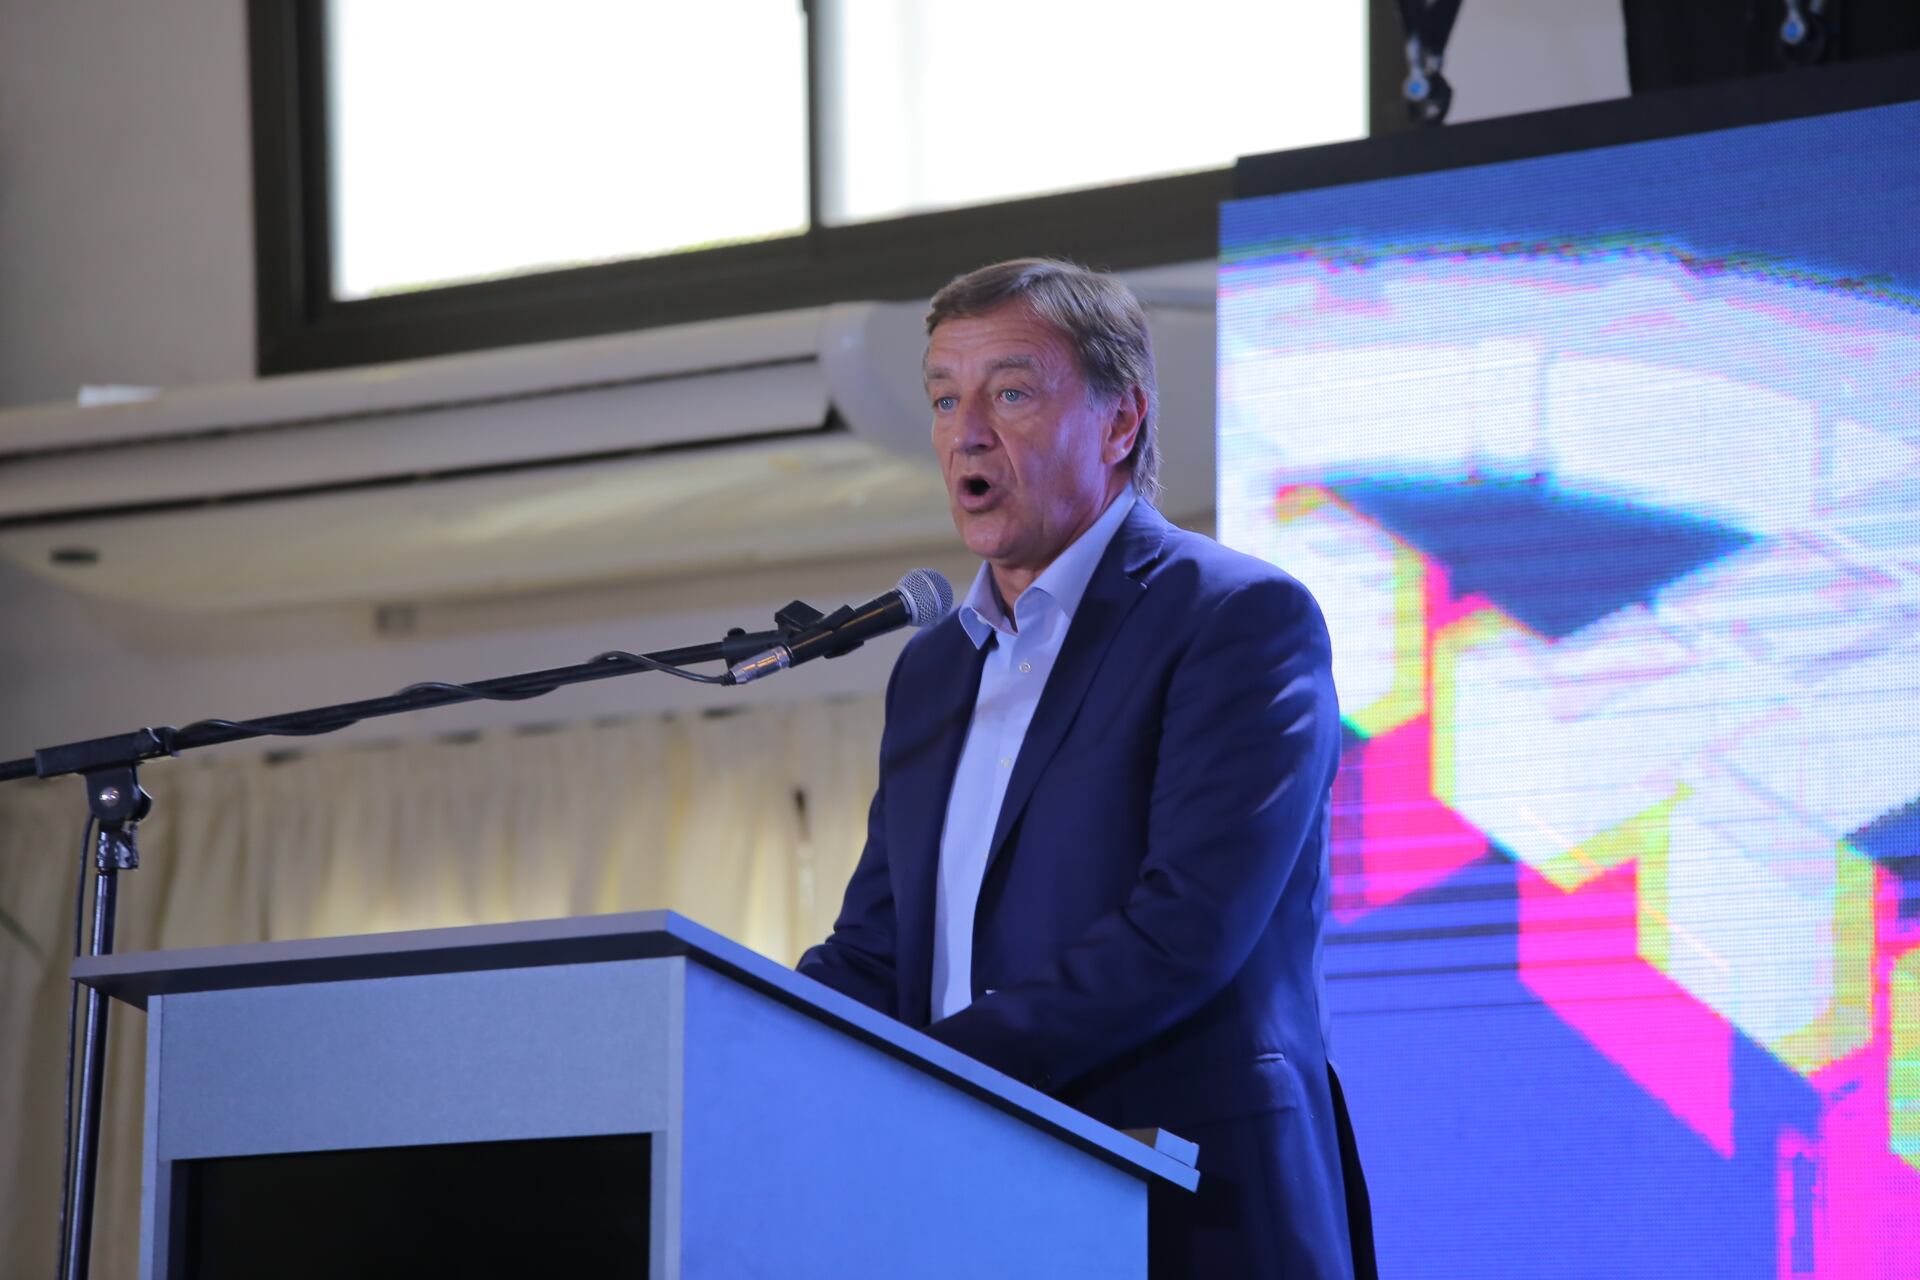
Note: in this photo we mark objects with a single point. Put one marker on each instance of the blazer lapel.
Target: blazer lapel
(1116, 587)
(927, 758)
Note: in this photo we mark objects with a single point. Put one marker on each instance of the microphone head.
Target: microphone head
(929, 596)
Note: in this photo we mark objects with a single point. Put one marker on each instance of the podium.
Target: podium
(625, 1095)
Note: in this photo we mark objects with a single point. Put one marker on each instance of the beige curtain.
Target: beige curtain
(748, 823)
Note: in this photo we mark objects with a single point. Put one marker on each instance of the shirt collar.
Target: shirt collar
(1061, 583)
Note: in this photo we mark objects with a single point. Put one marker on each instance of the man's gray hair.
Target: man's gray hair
(1101, 320)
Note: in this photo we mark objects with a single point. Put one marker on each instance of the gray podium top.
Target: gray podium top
(136, 976)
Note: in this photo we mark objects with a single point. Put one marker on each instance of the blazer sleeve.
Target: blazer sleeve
(859, 957)
(1249, 743)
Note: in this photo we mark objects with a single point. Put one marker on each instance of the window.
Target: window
(440, 176)
(469, 141)
(933, 104)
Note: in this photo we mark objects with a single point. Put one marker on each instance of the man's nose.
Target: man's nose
(975, 428)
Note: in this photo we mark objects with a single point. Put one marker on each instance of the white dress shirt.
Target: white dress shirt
(1017, 665)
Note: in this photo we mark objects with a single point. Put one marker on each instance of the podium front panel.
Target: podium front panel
(413, 1086)
(494, 1056)
(808, 1154)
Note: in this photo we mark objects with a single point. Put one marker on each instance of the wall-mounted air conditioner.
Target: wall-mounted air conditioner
(702, 448)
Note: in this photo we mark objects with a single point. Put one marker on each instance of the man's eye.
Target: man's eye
(944, 404)
(1012, 395)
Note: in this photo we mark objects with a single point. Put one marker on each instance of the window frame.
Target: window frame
(300, 326)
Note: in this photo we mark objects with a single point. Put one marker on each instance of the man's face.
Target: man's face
(1030, 460)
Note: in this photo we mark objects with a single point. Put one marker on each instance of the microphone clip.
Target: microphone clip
(797, 617)
(825, 625)
(919, 599)
(801, 626)
(800, 622)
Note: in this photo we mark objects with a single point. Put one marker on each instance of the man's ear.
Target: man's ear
(1123, 425)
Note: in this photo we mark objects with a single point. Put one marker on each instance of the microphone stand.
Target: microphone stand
(117, 803)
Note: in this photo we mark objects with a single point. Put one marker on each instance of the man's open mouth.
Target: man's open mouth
(976, 485)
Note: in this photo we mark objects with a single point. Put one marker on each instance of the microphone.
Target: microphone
(919, 599)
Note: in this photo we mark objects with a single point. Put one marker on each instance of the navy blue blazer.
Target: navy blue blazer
(1147, 945)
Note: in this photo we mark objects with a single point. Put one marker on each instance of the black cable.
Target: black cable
(1431, 21)
(623, 658)
(73, 1022)
(148, 743)
(280, 729)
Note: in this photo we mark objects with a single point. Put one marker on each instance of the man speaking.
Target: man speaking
(1097, 858)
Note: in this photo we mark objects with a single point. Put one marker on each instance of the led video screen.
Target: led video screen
(1605, 467)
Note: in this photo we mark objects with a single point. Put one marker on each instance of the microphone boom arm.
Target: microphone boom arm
(116, 803)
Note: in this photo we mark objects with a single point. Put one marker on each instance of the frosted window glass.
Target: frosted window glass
(937, 103)
(478, 138)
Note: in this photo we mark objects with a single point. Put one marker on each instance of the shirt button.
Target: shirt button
(1006, 762)
(1026, 666)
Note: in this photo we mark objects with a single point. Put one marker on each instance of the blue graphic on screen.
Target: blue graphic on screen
(1606, 470)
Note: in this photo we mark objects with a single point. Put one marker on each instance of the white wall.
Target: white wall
(125, 256)
(1509, 56)
(73, 667)
(126, 251)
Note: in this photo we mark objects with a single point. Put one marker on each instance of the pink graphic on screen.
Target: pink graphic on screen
(1620, 550)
